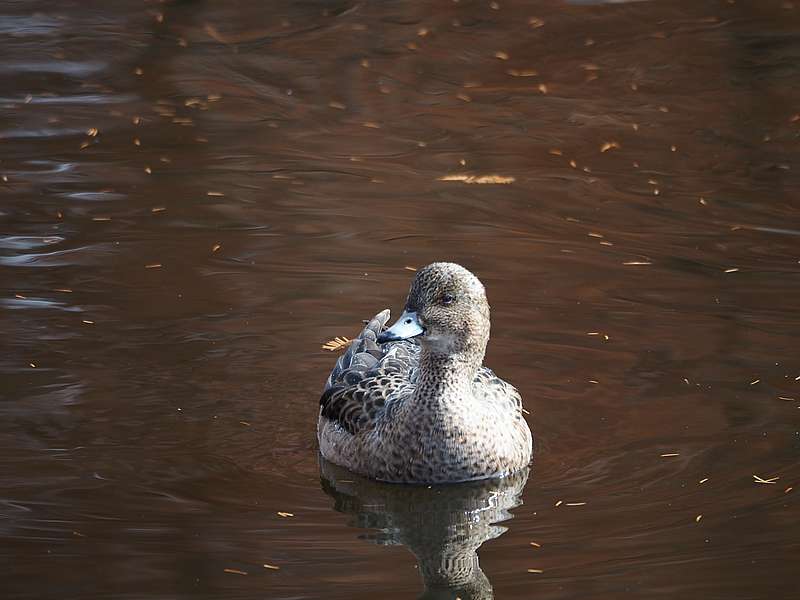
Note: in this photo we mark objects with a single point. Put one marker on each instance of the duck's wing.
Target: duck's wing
(368, 377)
(500, 393)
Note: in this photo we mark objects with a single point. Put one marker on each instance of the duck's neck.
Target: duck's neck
(444, 378)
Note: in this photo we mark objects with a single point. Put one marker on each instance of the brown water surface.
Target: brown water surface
(196, 195)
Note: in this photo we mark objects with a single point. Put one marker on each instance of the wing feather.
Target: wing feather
(489, 386)
(368, 377)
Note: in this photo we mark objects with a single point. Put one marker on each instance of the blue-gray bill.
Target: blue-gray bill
(407, 326)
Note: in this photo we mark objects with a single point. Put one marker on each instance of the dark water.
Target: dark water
(196, 195)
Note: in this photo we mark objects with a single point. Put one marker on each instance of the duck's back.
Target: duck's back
(368, 378)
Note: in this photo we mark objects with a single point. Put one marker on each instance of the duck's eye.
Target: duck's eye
(448, 299)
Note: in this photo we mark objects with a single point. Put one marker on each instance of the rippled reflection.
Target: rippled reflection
(443, 526)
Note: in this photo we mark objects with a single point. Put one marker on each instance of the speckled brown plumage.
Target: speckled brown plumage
(425, 410)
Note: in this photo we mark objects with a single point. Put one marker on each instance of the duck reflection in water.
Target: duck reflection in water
(442, 525)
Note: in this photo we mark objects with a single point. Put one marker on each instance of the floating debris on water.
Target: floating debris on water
(522, 72)
(336, 344)
(768, 480)
(479, 179)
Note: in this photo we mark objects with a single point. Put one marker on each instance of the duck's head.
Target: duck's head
(446, 310)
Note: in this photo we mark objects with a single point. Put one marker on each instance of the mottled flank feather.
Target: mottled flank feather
(496, 391)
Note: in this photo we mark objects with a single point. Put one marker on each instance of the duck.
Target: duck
(413, 403)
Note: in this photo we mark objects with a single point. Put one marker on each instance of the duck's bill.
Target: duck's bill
(407, 326)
